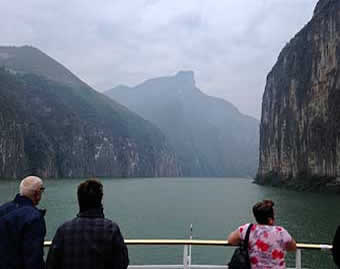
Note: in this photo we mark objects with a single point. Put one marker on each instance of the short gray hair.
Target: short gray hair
(29, 185)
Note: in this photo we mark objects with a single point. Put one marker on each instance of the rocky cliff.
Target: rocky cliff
(300, 123)
(55, 125)
(209, 135)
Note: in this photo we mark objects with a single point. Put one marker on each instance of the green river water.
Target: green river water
(150, 208)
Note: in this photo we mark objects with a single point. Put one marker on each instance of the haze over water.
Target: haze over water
(165, 208)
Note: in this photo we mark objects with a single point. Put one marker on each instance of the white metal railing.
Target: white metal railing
(187, 243)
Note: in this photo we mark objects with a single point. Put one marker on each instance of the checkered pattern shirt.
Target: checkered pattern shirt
(89, 241)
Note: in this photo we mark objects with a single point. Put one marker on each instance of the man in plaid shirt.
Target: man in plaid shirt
(89, 241)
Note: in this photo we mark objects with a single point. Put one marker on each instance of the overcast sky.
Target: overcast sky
(231, 45)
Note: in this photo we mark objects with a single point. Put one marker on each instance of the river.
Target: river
(165, 208)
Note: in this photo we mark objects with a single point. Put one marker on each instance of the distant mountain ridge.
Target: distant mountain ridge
(54, 124)
(209, 135)
(27, 59)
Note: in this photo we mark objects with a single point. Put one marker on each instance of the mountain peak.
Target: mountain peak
(186, 77)
(323, 4)
(28, 59)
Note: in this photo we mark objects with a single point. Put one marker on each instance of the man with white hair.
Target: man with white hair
(23, 228)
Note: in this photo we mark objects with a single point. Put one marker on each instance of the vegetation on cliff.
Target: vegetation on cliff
(300, 127)
(57, 126)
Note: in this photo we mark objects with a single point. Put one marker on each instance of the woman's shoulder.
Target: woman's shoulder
(267, 228)
(281, 233)
(243, 227)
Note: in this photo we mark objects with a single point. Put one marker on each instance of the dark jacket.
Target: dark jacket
(22, 232)
(336, 247)
(86, 242)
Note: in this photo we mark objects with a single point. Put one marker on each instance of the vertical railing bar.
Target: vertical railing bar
(190, 246)
(298, 263)
(185, 257)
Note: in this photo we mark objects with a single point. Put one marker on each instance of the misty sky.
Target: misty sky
(230, 45)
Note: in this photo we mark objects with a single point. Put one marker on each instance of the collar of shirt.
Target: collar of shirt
(91, 213)
(22, 200)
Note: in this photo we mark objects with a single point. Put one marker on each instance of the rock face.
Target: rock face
(55, 125)
(300, 124)
(209, 135)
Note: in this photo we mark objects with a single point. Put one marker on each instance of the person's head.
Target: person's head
(90, 194)
(264, 212)
(32, 188)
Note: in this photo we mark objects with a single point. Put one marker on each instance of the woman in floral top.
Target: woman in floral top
(267, 243)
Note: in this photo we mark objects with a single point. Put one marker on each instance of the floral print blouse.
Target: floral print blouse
(266, 245)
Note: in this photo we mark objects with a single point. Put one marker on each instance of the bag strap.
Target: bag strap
(246, 239)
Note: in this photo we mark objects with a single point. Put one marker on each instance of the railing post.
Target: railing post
(298, 259)
(189, 250)
(185, 257)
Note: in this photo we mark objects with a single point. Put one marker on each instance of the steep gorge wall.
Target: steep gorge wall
(300, 123)
(46, 129)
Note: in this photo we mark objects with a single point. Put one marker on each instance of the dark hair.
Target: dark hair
(263, 211)
(90, 194)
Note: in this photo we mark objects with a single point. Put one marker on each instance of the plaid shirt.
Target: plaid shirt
(89, 241)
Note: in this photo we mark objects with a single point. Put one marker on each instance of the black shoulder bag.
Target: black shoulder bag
(240, 258)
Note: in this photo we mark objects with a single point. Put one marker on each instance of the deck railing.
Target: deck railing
(187, 243)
